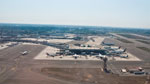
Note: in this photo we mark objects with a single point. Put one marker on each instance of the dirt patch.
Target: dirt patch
(143, 41)
(133, 36)
(88, 76)
(144, 48)
(124, 40)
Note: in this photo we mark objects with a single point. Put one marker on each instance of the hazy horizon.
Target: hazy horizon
(114, 13)
(75, 25)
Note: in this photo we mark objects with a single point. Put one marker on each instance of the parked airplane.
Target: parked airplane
(24, 52)
(119, 51)
(100, 56)
(76, 56)
(112, 47)
(123, 56)
(51, 55)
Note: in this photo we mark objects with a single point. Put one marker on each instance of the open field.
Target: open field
(144, 36)
(144, 41)
(124, 40)
(89, 76)
(133, 36)
(144, 48)
(46, 75)
(11, 59)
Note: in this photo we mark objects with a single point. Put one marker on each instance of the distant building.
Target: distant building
(87, 50)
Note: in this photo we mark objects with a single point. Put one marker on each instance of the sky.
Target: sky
(114, 13)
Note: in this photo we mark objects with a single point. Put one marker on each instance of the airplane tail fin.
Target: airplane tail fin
(124, 50)
(119, 47)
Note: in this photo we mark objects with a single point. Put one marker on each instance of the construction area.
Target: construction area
(94, 60)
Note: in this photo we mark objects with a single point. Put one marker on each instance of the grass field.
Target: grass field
(124, 40)
(90, 76)
(144, 48)
(143, 41)
(133, 36)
